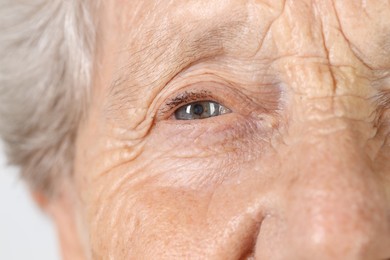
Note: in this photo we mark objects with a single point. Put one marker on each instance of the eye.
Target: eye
(200, 110)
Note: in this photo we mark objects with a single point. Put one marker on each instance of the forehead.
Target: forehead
(359, 14)
(148, 23)
(157, 39)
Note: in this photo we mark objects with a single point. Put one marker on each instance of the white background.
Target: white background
(25, 232)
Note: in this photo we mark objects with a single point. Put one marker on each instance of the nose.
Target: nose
(333, 205)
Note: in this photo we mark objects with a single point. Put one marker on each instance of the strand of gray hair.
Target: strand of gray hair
(46, 51)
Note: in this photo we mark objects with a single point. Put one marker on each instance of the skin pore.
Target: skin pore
(298, 168)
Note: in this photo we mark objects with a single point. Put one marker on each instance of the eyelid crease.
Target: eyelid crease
(226, 93)
(185, 98)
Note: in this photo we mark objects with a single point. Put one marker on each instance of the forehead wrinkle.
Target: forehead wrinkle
(164, 52)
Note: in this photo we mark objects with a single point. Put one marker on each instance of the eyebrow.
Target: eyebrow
(171, 50)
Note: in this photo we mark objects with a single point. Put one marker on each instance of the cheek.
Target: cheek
(164, 195)
(136, 221)
(140, 218)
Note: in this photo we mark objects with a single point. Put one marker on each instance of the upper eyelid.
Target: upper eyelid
(224, 92)
(185, 98)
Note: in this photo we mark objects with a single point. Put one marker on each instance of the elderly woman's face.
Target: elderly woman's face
(238, 129)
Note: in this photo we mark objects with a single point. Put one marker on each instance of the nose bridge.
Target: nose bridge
(333, 204)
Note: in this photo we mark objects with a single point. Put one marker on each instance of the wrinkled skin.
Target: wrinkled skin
(299, 170)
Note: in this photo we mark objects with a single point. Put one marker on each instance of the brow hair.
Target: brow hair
(164, 56)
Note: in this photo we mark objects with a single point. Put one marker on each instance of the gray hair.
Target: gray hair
(46, 52)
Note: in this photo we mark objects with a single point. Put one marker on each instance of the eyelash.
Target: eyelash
(185, 98)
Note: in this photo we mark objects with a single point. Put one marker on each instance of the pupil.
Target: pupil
(198, 109)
